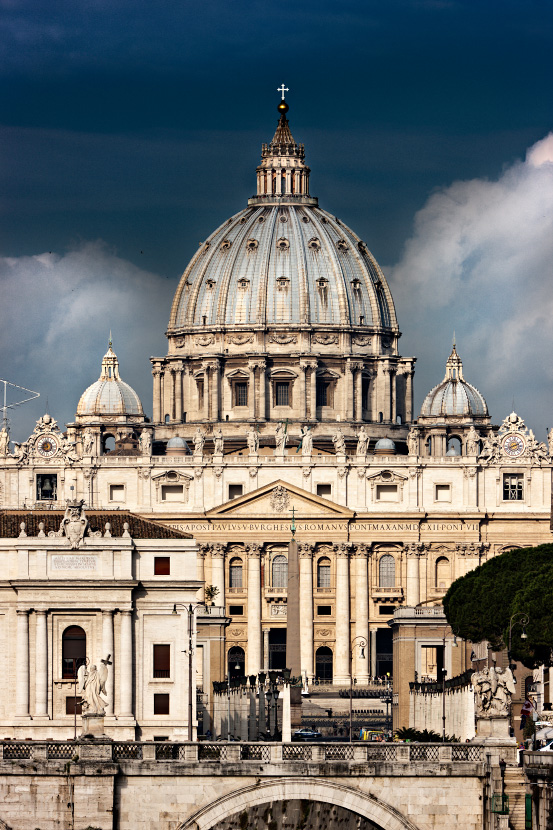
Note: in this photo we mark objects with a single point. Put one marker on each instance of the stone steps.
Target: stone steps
(515, 788)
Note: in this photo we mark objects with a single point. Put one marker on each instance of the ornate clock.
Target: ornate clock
(513, 444)
(47, 445)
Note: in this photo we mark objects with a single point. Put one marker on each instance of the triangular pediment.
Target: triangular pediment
(277, 500)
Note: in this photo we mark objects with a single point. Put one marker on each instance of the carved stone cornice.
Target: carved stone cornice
(306, 550)
(217, 550)
(254, 550)
(343, 549)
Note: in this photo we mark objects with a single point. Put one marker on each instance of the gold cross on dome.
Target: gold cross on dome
(282, 89)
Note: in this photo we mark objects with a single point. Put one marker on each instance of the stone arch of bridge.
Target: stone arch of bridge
(286, 789)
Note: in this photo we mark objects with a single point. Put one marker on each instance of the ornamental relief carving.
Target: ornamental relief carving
(282, 339)
(360, 340)
(204, 340)
(180, 342)
(280, 499)
(325, 339)
(239, 339)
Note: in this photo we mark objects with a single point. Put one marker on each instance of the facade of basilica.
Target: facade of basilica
(282, 399)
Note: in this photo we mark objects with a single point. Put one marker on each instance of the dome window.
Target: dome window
(314, 244)
(210, 285)
(342, 245)
(283, 217)
(252, 245)
(225, 244)
(305, 219)
(283, 244)
(243, 284)
(261, 219)
(283, 283)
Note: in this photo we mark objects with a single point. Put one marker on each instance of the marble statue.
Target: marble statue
(252, 436)
(88, 442)
(339, 442)
(550, 441)
(493, 688)
(199, 441)
(218, 442)
(280, 438)
(146, 442)
(472, 441)
(306, 438)
(21, 451)
(362, 442)
(91, 685)
(413, 441)
(4, 441)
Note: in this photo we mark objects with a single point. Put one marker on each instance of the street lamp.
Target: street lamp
(190, 609)
(362, 644)
(523, 620)
(444, 672)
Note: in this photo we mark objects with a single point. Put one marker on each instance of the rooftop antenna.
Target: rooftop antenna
(6, 405)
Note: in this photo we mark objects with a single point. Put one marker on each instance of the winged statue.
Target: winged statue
(92, 684)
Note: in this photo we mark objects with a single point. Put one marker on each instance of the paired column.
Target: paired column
(156, 372)
(207, 390)
(262, 414)
(41, 666)
(22, 665)
(413, 576)
(108, 648)
(361, 666)
(254, 609)
(126, 673)
(178, 392)
(343, 643)
(313, 392)
(303, 389)
(252, 397)
(218, 570)
(306, 609)
(409, 396)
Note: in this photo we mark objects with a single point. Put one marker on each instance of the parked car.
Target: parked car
(306, 734)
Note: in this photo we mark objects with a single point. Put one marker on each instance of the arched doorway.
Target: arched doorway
(73, 651)
(323, 665)
(236, 662)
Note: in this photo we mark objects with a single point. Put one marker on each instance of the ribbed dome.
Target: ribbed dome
(109, 395)
(454, 396)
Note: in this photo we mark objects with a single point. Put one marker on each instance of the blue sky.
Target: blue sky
(129, 131)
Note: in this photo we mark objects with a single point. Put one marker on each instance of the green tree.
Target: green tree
(479, 606)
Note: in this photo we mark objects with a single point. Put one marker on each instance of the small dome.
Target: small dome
(176, 443)
(109, 395)
(385, 446)
(454, 396)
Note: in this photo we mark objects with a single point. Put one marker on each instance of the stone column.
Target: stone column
(413, 576)
(393, 396)
(343, 642)
(386, 397)
(349, 379)
(373, 652)
(178, 392)
(156, 372)
(359, 392)
(362, 614)
(22, 665)
(313, 392)
(41, 668)
(108, 648)
(409, 396)
(303, 390)
(252, 397)
(207, 391)
(215, 404)
(126, 666)
(306, 610)
(262, 414)
(254, 609)
(218, 570)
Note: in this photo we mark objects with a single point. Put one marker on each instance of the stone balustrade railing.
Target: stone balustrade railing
(223, 752)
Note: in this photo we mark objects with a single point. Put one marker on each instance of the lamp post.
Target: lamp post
(523, 620)
(190, 609)
(362, 644)
(444, 672)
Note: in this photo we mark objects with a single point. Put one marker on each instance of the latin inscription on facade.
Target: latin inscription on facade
(358, 527)
(74, 563)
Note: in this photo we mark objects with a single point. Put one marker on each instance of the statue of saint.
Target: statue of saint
(473, 440)
(280, 438)
(550, 441)
(218, 442)
(362, 442)
(88, 442)
(413, 441)
(252, 436)
(306, 438)
(493, 689)
(199, 441)
(146, 442)
(21, 451)
(339, 442)
(4, 441)
(91, 685)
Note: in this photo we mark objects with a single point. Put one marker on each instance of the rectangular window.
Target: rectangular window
(117, 493)
(171, 492)
(443, 492)
(322, 393)
(324, 610)
(161, 704)
(324, 490)
(162, 565)
(70, 705)
(513, 487)
(162, 660)
(200, 385)
(384, 610)
(282, 394)
(240, 394)
(236, 610)
(365, 393)
(235, 490)
(386, 492)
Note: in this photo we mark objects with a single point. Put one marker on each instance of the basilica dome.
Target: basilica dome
(454, 396)
(109, 395)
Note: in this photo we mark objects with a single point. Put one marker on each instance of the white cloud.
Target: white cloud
(57, 314)
(480, 262)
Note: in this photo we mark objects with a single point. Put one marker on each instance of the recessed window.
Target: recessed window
(235, 573)
(73, 705)
(73, 650)
(323, 572)
(513, 489)
(323, 393)
(386, 492)
(282, 393)
(161, 704)
(324, 610)
(162, 660)
(386, 610)
(162, 565)
(46, 487)
(236, 610)
(279, 572)
(117, 493)
(442, 492)
(387, 571)
(324, 490)
(235, 490)
(171, 492)
(200, 386)
(240, 394)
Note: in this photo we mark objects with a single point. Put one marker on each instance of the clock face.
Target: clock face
(513, 445)
(47, 446)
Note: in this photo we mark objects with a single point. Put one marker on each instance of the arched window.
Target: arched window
(235, 573)
(442, 573)
(323, 665)
(236, 662)
(323, 572)
(387, 571)
(108, 443)
(73, 650)
(280, 572)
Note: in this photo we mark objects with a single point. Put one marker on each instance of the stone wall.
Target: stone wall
(426, 702)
